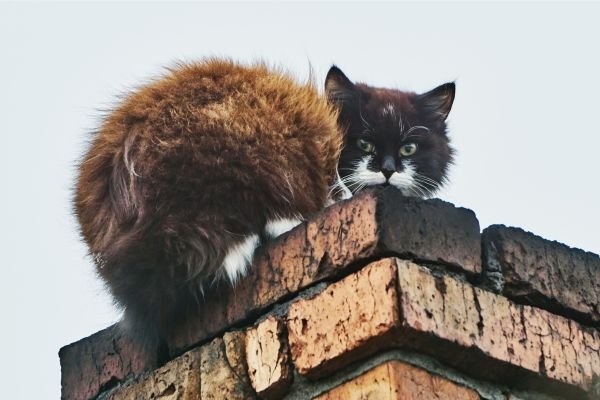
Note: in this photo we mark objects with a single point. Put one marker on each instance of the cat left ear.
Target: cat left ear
(338, 88)
(438, 101)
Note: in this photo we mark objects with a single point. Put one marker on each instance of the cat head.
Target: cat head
(391, 137)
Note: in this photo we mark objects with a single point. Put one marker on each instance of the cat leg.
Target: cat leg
(279, 226)
(239, 257)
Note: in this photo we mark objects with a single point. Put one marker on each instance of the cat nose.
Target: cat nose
(388, 166)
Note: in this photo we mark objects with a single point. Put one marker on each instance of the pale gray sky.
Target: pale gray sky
(525, 122)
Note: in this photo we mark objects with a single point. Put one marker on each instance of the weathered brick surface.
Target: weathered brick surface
(513, 335)
(477, 331)
(235, 353)
(100, 361)
(546, 273)
(430, 230)
(355, 314)
(371, 223)
(179, 379)
(268, 358)
(223, 369)
(344, 233)
(396, 380)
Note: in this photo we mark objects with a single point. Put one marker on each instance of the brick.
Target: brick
(100, 361)
(346, 321)
(429, 230)
(482, 333)
(223, 369)
(395, 380)
(342, 234)
(490, 336)
(179, 379)
(545, 273)
(268, 358)
(329, 246)
(373, 222)
(235, 353)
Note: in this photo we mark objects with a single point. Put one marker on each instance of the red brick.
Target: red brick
(480, 332)
(396, 380)
(372, 222)
(545, 273)
(345, 234)
(223, 369)
(513, 335)
(178, 379)
(99, 362)
(268, 358)
(429, 230)
(355, 314)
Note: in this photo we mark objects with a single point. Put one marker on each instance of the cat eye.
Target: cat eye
(365, 146)
(408, 149)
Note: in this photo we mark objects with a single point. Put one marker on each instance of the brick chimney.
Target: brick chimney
(377, 297)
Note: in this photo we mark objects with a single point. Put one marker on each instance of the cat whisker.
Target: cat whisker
(424, 190)
(367, 126)
(416, 190)
(417, 127)
(336, 188)
(429, 185)
(425, 180)
(400, 122)
(350, 178)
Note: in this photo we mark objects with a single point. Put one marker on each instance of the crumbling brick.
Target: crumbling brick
(547, 274)
(98, 362)
(395, 380)
(346, 321)
(439, 313)
(179, 379)
(372, 223)
(223, 369)
(477, 331)
(268, 358)
(429, 230)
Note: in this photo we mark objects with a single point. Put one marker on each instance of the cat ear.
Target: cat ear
(338, 88)
(437, 102)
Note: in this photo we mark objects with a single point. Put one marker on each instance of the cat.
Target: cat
(191, 173)
(391, 137)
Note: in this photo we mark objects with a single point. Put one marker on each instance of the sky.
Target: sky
(524, 123)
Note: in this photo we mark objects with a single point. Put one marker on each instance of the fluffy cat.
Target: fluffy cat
(190, 173)
(184, 178)
(391, 137)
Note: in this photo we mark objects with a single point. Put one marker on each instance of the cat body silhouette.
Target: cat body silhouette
(190, 173)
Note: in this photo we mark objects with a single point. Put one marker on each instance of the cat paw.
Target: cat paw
(239, 258)
(279, 226)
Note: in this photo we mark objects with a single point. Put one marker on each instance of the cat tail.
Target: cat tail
(158, 282)
(145, 339)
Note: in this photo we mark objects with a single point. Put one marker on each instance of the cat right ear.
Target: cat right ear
(338, 88)
(438, 102)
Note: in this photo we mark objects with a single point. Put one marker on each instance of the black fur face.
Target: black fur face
(392, 137)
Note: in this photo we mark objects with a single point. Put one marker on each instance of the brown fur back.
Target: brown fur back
(187, 166)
